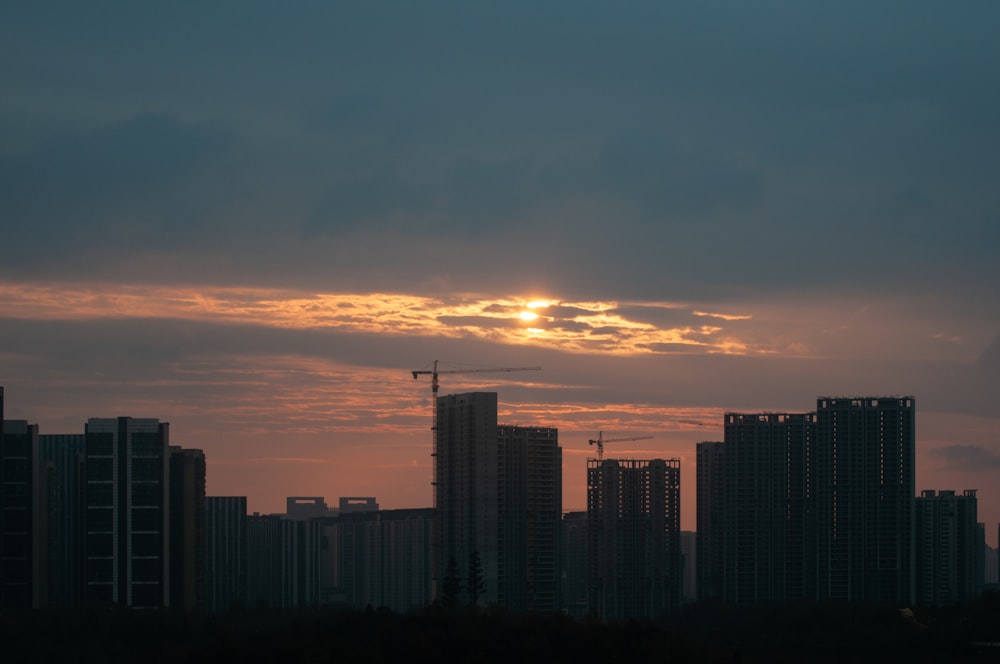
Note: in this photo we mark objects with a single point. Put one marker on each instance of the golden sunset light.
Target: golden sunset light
(429, 257)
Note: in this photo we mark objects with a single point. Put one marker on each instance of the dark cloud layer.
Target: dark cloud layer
(711, 148)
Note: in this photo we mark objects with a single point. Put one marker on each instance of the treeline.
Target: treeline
(699, 633)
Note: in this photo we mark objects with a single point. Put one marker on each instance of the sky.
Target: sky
(253, 220)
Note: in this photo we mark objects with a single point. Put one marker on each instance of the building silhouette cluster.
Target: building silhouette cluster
(791, 507)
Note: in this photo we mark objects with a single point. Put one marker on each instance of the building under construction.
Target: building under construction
(498, 498)
(633, 512)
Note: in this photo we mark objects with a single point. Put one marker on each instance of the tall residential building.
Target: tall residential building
(465, 494)
(864, 487)
(126, 520)
(226, 552)
(948, 564)
(187, 528)
(768, 538)
(529, 484)
(689, 566)
(575, 570)
(498, 497)
(22, 522)
(633, 509)
(710, 492)
(62, 463)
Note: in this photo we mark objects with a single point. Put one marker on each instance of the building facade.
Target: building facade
(187, 528)
(865, 469)
(465, 497)
(529, 486)
(283, 562)
(768, 526)
(378, 559)
(226, 552)
(22, 517)
(62, 469)
(633, 509)
(498, 498)
(948, 564)
(127, 512)
(710, 487)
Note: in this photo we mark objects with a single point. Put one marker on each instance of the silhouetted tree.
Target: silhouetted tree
(477, 585)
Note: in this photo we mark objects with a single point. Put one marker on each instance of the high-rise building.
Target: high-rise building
(226, 552)
(633, 509)
(465, 496)
(689, 566)
(22, 577)
(187, 528)
(948, 564)
(768, 539)
(498, 496)
(62, 463)
(126, 520)
(575, 570)
(710, 491)
(529, 484)
(864, 487)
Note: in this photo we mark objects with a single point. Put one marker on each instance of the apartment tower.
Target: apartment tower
(633, 509)
(864, 488)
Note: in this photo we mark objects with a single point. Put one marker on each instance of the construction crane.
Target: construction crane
(435, 384)
(601, 440)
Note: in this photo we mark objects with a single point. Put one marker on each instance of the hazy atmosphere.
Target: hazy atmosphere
(253, 220)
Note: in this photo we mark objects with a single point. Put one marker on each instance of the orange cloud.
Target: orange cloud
(572, 327)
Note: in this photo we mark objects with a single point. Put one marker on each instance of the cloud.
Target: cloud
(967, 458)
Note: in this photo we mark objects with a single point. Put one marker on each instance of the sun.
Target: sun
(528, 315)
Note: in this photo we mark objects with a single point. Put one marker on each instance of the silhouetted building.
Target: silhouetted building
(529, 485)
(62, 462)
(689, 566)
(301, 508)
(864, 486)
(768, 535)
(948, 562)
(22, 522)
(378, 559)
(465, 494)
(498, 496)
(226, 552)
(633, 510)
(284, 562)
(710, 491)
(187, 528)
(575, 569)
(126, 520)
(349, 504)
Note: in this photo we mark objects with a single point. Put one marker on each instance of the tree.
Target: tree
(476, 584)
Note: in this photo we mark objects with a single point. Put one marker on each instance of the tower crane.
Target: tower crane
(601, 440)
(435, 384)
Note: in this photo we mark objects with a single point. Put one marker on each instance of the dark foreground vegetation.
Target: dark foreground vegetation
(694, 634)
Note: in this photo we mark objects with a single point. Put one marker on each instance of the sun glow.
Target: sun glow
(570, 326)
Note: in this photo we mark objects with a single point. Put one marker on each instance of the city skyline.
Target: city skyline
(255, 224)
